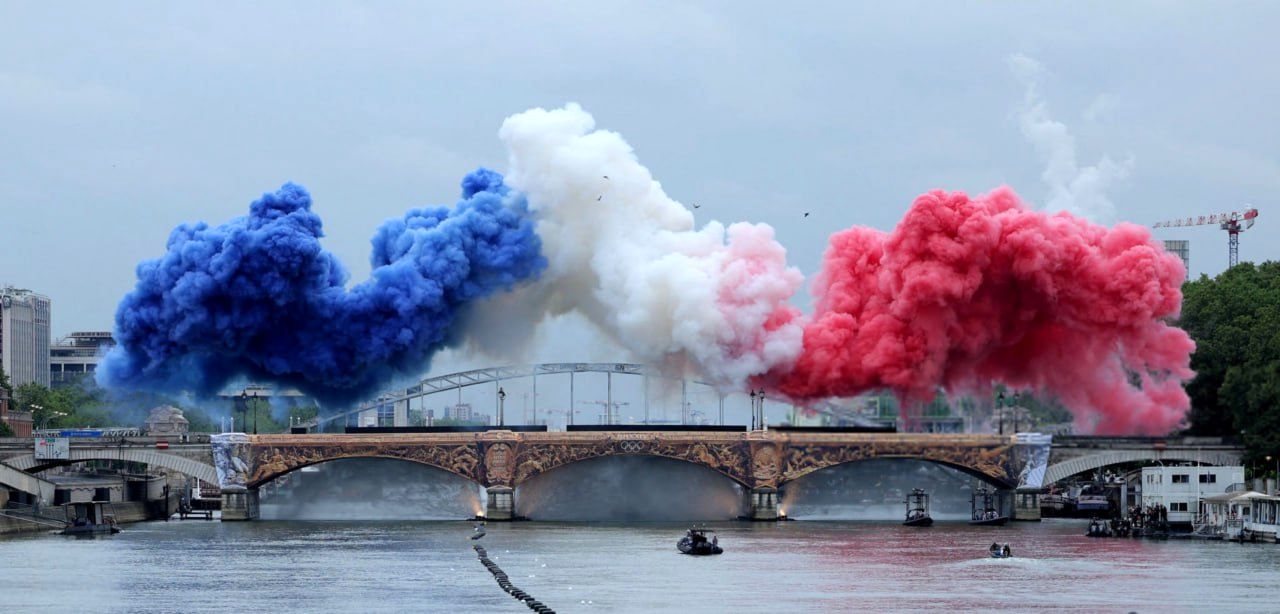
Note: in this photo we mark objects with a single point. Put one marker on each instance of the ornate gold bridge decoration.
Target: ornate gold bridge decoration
(754, 459)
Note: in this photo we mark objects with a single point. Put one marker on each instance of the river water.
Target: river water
(428, 566)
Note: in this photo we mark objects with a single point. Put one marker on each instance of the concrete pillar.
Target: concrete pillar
(502, 503)
(1026, 505)
(240, 505)
(763, 504)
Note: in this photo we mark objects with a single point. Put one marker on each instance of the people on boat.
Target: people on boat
(1007, 551)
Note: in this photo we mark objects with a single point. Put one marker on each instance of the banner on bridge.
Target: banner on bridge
(52, 448)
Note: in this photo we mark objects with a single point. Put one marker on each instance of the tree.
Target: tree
(1234, 319)
(4, 382)
(62, 408)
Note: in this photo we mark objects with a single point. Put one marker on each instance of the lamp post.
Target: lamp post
(502, 401)
(753, 410)
(1000, 409)
(1016, 407)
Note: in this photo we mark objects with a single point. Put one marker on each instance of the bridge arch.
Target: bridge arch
(993, 476)
(1089, 462)
(276, 470)
(528, 469)
(496, 375)
(147, 456)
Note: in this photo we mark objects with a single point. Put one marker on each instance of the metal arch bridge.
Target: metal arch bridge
(496, 375)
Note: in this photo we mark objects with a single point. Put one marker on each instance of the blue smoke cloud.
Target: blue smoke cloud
(258, 297)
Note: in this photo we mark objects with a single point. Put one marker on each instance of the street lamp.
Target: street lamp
(1016, 407)
(753, 409)
(1000, 409)
(502, 401)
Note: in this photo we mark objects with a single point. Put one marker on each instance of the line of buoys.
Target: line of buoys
(504, 582)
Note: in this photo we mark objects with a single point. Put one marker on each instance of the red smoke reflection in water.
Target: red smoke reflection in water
(970, 291)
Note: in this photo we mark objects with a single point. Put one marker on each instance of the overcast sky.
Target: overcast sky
(122, 121)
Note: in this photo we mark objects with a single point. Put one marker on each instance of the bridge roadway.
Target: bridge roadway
(500, 460)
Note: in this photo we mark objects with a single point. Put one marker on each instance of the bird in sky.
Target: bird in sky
(696, 206)
(599, 197)
(606, 176)
(806, 214)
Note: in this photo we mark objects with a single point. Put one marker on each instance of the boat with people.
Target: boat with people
(984, 509)
(696, 542)
(1000, 552)
(90, 518)
(918, 509)
(1098, 528)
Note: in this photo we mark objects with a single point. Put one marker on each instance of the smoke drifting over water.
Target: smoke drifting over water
(258, 297)
(876, 490)
(370, 489)
(630, 488)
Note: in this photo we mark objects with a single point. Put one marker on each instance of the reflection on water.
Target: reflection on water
(282, 566)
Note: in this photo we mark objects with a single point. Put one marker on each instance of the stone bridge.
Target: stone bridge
(499, 460)
(760, 461)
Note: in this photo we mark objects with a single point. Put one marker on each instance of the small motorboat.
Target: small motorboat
(695, 542)
(918, 509)
(1098, 528)
(999, 552)
(90, 518)
(985, 509)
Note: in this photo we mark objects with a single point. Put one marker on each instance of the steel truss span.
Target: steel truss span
(495, 375)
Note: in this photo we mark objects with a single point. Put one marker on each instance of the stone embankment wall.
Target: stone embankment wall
(126, 512)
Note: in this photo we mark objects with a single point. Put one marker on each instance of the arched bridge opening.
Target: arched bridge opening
(181, 464)
(1103, 459)
(368, 488)
(631, 487)
(877, 488)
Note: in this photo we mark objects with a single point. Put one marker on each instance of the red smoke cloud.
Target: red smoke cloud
(970, 291)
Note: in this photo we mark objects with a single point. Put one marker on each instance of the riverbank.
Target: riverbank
(126, 512)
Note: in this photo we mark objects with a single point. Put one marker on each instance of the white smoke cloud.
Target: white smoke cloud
(1077, 190)
(711, 301)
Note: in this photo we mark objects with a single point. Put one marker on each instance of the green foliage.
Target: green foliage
(456, 422)
(62, 408)
(4, 382)
(5, 430)
(1234, 319)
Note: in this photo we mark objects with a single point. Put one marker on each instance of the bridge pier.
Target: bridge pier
(501, 503)
(762, 504)
(240, 505)
(1026, 504)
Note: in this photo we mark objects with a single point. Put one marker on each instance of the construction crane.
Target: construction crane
(1233, 222)
(611, 409)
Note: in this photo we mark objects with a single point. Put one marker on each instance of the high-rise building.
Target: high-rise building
(24, 336)
(1183, 250)
(76, 356)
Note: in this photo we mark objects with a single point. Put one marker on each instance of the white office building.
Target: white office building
(24, 336)
(76, 356)
(1180, 489)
